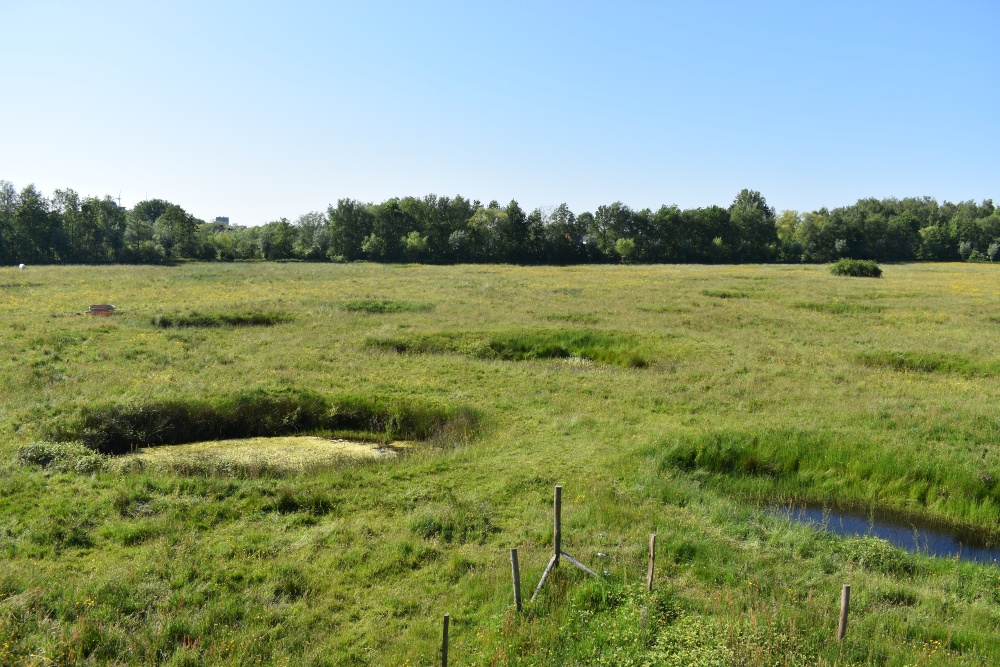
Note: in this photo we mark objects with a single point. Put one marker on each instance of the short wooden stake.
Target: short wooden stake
(558, 524)
(444, 643)
(845, 606)
(652, 558)
(516, 573)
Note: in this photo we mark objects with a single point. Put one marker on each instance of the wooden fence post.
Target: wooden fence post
(516, 572)
(558, 523)
(845, 606)
(652, 558)
(444, 643)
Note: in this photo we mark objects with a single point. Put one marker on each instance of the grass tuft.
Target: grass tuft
(929, 362)
(726, 294)
(839, 307)
(255, 318)
(381, 306)
(598, 346)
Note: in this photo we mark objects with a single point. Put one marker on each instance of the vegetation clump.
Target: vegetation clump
(257, 318)
(604, 347)
(839, 307)
(725, 294)
(117, 428)
(856, 268)
(381, 306)
(928, 362)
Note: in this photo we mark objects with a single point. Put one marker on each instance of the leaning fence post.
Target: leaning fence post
(516, 573)
(444, 643)
(652, 558)
(845, 605)
(558, 523)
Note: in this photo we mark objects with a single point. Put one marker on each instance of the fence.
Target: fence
(754, 582)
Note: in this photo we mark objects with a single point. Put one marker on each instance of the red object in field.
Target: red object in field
(101, 309)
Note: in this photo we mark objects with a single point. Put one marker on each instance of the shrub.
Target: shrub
(856, 268)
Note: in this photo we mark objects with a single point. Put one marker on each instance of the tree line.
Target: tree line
(68, 228)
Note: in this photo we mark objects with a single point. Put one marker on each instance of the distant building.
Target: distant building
(221, 224)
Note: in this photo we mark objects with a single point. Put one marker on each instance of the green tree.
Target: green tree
(414, 246)
(626, 249)
(350, 225)
(754, 221)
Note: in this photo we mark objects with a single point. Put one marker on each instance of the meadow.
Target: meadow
(676, 400)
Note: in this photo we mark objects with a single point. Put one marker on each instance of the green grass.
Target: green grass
(379, 306)
(107, 559)
(726, 294)
(116, 428)
(194, 319)
(929, 362)
(839, 307)
(592, 345)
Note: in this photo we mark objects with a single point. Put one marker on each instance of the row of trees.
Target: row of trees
(72, 229)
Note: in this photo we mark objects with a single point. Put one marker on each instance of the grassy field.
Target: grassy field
(675, 400)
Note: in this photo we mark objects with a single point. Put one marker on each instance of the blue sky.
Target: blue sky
(263, 110)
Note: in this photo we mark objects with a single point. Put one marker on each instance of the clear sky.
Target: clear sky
(263, 110)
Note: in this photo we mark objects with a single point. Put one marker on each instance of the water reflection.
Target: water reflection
(903, 534)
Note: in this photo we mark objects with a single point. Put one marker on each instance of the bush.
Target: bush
(856, 268)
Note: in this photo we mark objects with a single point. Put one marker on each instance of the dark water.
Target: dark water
(903, 534)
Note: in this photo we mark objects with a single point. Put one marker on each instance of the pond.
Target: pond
(902, 533)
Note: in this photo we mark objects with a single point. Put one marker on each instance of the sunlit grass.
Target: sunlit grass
(863, 392)
(290, 453)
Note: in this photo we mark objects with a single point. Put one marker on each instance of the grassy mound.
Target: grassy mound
(856, 268)
(117, 428)
(726, 294)
(839, 307)
(599, 346)
(255, 318)
(929, 362)
(381, 306)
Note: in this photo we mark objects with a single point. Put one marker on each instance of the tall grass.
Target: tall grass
(599, 346)
(380, 306)
(929, 362)
(255, 318)
(107, 561)
(117, 428)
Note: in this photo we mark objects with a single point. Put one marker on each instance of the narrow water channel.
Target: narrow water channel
(903, 534)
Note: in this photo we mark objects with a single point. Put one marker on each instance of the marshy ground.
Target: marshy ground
(676, 400)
